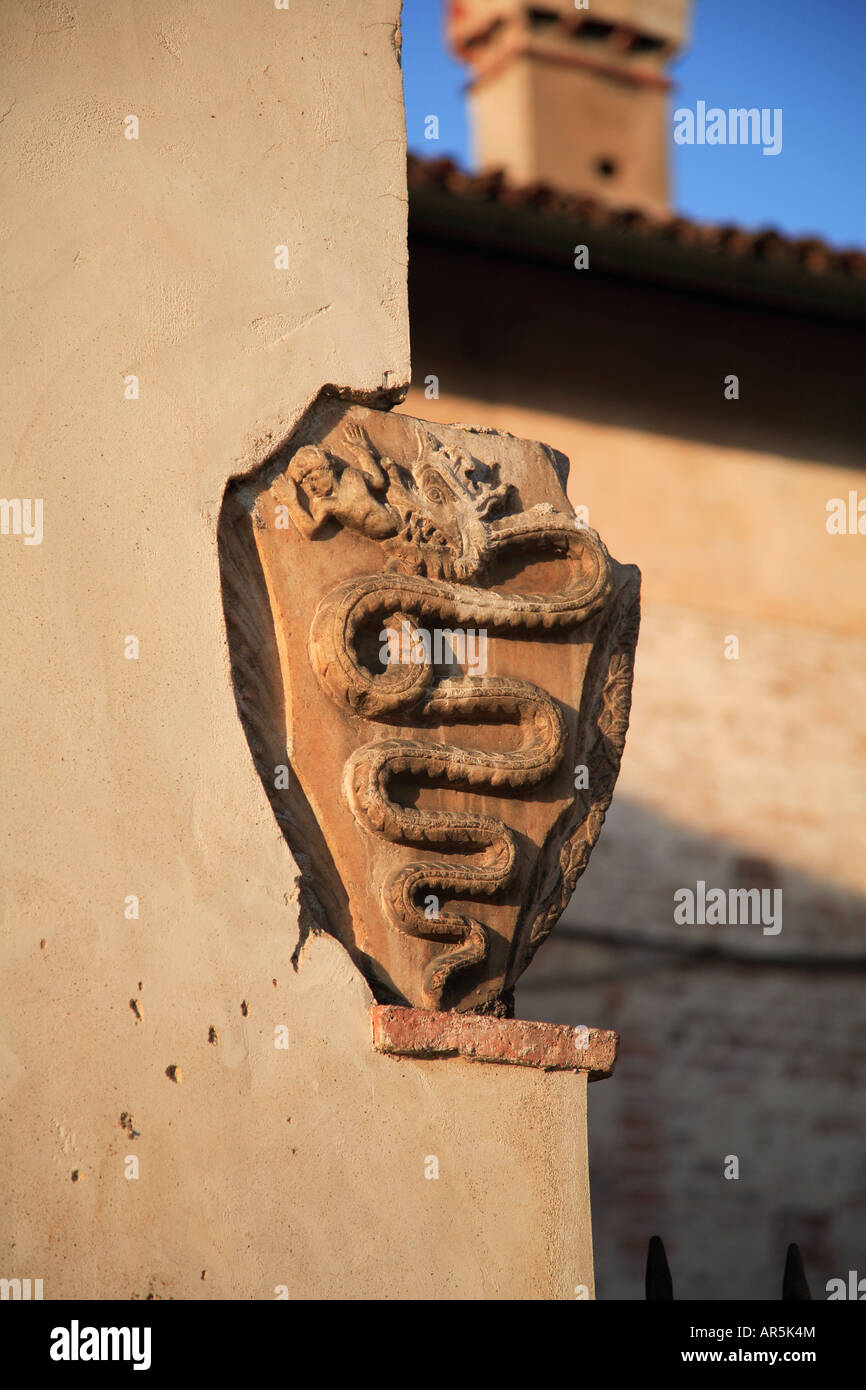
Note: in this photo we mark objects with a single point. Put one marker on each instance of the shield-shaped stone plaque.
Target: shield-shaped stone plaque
(433, 661)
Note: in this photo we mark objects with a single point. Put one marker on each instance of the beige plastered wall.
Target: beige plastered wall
(306, 1170)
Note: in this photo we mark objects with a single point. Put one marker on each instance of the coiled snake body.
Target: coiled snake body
(407, 692)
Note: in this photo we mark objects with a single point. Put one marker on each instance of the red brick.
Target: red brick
(550, 1046)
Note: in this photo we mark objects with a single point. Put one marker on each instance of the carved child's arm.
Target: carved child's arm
(365, 456)
(306, 524)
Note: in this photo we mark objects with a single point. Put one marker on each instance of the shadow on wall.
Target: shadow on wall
(260, 699)
(609, 350)
(733, 1122)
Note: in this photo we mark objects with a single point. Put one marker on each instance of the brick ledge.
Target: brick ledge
(404, 1032)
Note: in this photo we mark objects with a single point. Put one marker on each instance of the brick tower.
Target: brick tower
(575, 97)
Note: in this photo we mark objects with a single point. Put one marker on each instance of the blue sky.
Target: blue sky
(805, 56)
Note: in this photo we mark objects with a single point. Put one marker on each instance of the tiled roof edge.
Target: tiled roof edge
(810, 255)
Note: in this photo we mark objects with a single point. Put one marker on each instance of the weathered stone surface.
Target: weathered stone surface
(550, 1046)
(438, 655)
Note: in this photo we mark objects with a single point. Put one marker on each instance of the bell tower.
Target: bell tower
(575, 96)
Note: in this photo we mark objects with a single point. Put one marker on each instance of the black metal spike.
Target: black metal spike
(659, 1285)
(794, 1286)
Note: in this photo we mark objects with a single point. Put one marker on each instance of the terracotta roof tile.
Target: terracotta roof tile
(810, 254)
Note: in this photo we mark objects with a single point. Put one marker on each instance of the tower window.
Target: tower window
(542, 19)
(646, 43)
(594, 32)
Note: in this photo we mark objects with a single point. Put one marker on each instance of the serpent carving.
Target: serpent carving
(438, 528)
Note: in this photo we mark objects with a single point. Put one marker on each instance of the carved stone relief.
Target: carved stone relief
(433, 663)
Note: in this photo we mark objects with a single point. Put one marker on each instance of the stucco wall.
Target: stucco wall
(128, 775)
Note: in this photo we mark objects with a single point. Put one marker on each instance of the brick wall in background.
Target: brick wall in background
(733, 1042)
